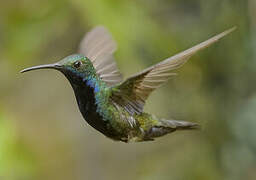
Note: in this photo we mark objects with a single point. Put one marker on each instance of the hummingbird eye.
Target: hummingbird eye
(77, 64)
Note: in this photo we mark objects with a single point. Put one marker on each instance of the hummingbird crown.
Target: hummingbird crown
(77, 64)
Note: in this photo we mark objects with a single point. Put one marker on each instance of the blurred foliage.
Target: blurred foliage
(43, 135)
(16, 160)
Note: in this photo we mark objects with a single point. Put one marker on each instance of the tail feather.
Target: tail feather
(179, 125)
(168, 126)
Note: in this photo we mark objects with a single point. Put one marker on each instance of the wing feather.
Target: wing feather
(99, 47)
(134, 91)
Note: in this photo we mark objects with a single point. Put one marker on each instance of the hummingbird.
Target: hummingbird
(114, 106)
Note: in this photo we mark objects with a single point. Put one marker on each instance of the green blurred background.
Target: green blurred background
(42, 133)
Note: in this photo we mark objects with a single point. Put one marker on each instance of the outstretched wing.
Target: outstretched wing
(99, 47)
(134, 91)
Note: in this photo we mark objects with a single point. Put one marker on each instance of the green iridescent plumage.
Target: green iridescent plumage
(113, 106)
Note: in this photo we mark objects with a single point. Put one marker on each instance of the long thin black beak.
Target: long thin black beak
(46, 66)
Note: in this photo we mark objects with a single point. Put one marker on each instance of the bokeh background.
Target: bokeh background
(42, 133)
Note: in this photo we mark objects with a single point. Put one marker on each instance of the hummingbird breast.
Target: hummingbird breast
(96, 111)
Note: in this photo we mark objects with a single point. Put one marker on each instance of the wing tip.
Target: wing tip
(221, 35)
(99, 27)
(230, 30)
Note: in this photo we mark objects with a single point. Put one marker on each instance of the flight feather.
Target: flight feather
(134, 91)
(99, 46)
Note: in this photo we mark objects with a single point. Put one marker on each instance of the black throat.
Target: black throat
(86, 101)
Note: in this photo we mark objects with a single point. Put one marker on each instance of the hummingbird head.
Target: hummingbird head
(75, 67)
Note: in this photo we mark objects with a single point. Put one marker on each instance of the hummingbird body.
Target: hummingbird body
(113, 107)
(94, 101)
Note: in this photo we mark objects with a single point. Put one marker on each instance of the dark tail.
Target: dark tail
(179, 125)
(169, 126)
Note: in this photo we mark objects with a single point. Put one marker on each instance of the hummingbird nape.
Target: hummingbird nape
(113, 106)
